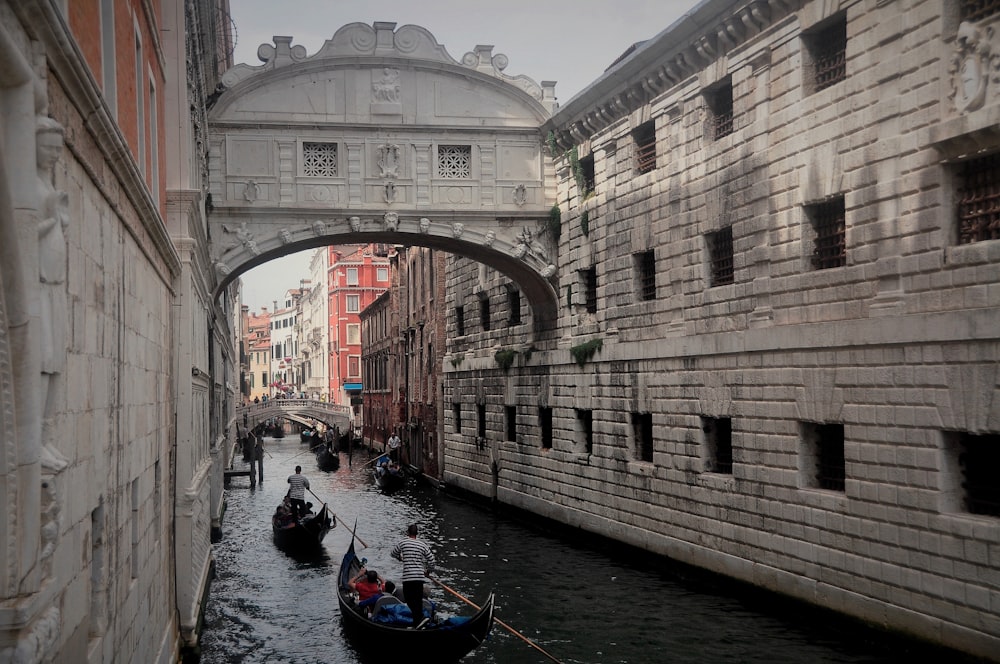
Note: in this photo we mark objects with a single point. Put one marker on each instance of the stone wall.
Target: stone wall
(890, 356)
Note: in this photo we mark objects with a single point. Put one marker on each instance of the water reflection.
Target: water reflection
(581, 604)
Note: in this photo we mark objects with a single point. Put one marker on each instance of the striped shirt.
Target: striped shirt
(416, 557)
(299, 485)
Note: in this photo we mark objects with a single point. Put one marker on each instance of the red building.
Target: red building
(356, 277)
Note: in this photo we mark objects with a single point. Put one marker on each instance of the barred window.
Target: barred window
(720, 105)
(979, 462)
(829, 225)
(719, 444)
(823, 456)
(645, 147)
(826, 50)
(720, 251)
(455, 162)
(642, 436)
(319, 159)
(587, 171)
(976, 10)
(645, 274)
(979, 200)
(589, 279)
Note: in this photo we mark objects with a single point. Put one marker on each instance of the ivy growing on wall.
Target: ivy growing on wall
(582, 353)
(585, 222)
(555, 221)
(457, 359)
(505, 358)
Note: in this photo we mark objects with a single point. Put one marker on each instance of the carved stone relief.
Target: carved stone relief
(355, 223)
(251, 191)
(520, 195)
(425, 225)
(391, 221)
(972, 67)
(388, 160)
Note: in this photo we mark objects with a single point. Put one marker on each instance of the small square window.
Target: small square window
(829, 225)
(585, 430)
(352, 276)
(319, 159)
(455, 162)
(588, 278)
(586, 176)
(353, 304)
(720, 252)
(978, 468)
(718, 444)
(645, 274)
(826, 53)
(382, 274)
(644, 137)
(976, 10)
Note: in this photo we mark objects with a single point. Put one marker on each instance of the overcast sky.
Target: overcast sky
(571, 42)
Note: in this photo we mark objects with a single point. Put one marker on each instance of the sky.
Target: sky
(571, 42)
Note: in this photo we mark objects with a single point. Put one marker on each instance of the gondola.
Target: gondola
(326, 458)
(304, 534)
(444, 641)
(387, 478)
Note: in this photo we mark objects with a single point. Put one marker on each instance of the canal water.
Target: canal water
(580, 601)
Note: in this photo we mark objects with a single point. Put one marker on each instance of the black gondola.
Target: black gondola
(441, 641)
(388, 476)
(302, 534)
(326, 458)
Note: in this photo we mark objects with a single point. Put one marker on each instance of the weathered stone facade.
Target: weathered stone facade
(777, 348)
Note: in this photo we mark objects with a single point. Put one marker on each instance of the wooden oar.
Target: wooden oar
(372, 460)
(339, 519)
(497, 620)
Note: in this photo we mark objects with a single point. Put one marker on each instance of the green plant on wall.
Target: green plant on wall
(555, 221)
(585, 222)
(577, 168)
(505, 358)
(583, 352)
(457, 359)
(551, 140)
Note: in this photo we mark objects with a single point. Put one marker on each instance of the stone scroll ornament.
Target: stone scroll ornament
(53, 219)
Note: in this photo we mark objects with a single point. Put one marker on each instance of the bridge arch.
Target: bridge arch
(382, 136)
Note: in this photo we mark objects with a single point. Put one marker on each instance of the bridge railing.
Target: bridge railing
(255, 413)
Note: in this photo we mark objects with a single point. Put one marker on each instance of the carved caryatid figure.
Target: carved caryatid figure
(53, 218)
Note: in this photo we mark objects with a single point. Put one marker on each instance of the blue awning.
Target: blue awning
(354, 387)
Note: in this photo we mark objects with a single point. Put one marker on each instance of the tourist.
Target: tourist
(418, 563)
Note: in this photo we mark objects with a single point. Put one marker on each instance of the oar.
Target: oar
(497, 620)
(341, 520)
(372, 460)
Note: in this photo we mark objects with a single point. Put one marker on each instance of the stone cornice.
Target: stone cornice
(694, 41)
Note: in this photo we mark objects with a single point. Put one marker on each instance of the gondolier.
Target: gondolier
(394, 445)
(297, 491)
(418, 563)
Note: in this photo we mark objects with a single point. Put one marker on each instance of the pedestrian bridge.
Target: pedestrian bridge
(331, 414)
(383, 137)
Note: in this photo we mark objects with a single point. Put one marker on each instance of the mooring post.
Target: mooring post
(259, 453)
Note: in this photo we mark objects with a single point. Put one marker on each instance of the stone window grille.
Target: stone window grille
(719, 443)
(455, 162)
(829, 224)
(977, 10)
(545, 424)
(514, 303)
(319, 159)
(585, 419)
(720, 253)
(645, 273)
(979, 200)
(823, 456)
(510, 421)
(720, 106)
(642, 434)
(979, 462)
(484, 312)
(644, 137)
(589, 279)
(826, 53)
(456, 417)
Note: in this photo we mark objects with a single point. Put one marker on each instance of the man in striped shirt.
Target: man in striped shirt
(418, 562)
(297, 492)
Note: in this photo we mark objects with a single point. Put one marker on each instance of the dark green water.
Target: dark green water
(582, 602)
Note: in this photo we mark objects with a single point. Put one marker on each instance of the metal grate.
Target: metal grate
(830, 55)
(319, 159)
(979, 459)
(645, 147)
(720, 248)
(976, 10)
(830, 246)
(646, 273)
(979, 200)
(589, 277)
(722, 111)
(455, 162)
(830, 472)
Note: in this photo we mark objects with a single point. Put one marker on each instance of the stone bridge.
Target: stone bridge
(300, 410)
(382, 137)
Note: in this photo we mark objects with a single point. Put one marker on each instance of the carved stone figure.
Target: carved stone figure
(490, 238)
(388, 160)
(355, 223)
(252, 191)
(457, 229)
(319, 227)
(390, 191)
(425, 225)
(284, 236)
(53, 218)
(385, 90)
(520, 195)
(391, 220)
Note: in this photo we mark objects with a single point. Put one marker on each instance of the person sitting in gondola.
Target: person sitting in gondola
(368, 586)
